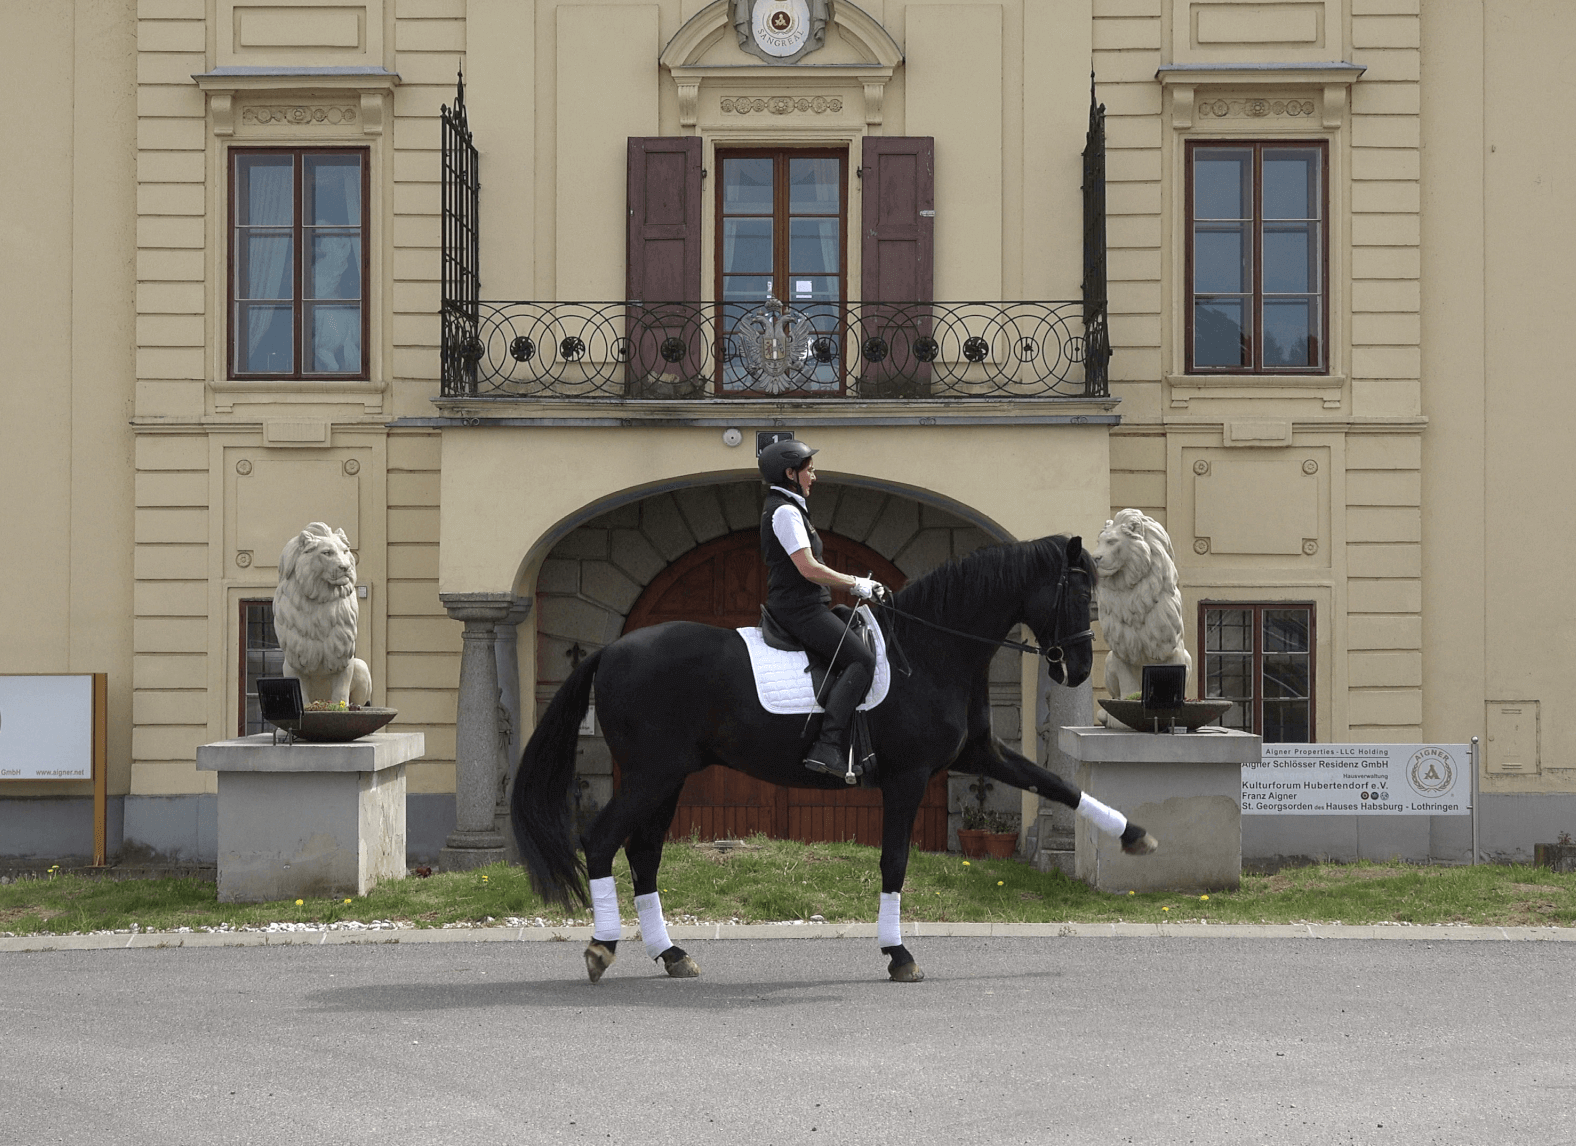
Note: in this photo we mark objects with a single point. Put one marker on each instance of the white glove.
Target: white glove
(867, 588)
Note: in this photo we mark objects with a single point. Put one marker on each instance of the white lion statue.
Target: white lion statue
(315, 614)
(1139, 601)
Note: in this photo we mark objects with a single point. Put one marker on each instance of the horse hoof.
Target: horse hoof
(1143, 846)
(907, 973)
(598, 959)
(685, 968)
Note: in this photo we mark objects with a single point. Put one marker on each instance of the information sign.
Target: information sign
(46, 727)
(1359, 779)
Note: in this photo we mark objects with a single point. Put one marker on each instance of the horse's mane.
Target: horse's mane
(957, 587)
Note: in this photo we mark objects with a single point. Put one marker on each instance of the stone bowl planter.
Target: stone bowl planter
(1193, 714)
(339, 726)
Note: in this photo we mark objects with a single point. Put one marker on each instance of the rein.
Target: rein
(1060, 656)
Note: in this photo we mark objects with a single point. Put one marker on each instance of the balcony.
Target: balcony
(899, 351)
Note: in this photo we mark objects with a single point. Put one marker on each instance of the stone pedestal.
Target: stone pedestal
(476, 840)
(1186, 790)
(304, 820)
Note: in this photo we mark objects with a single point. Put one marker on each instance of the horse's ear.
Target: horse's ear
(1074, 550)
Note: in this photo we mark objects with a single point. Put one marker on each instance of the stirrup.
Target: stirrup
(840, 765)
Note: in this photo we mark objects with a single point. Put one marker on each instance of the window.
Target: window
(298, 264)
(1257, 258)
(260, 656)
(1260, 657)
(781, 219)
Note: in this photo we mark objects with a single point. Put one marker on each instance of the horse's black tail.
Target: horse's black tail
(540, 804)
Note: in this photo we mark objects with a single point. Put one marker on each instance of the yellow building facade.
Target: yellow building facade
(251, 283)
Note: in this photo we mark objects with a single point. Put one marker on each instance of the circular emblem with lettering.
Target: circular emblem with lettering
(781, 27)
(1430, 772)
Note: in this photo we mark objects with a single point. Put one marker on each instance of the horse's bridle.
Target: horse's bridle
(1055, 647)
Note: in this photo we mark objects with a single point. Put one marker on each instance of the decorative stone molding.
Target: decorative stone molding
(299, 114)
(685, 51)
(780, 104)
(1254, 95)
(298, 98)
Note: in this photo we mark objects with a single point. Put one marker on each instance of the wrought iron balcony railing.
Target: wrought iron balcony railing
(754, 350)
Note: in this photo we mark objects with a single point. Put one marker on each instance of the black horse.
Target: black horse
(677, 697)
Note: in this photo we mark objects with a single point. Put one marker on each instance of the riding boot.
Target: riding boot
(829, 753)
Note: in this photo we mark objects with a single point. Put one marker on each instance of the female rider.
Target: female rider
(797, 596)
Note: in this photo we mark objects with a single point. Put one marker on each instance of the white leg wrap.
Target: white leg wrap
(653, 929)
(604, 909)
(889, 928)
(1106, 819)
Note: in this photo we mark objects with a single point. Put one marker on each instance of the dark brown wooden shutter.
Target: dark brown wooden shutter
(663, 261)
(899, 199)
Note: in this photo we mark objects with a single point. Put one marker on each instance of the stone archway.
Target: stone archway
(595, 574)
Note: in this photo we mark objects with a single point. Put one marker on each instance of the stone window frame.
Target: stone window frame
(237, 98)
(1249, 93)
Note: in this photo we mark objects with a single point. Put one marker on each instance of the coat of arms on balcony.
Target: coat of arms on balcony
(775, 344)
(781, 31)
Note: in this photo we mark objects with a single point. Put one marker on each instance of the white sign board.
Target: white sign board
(1359, 779)
(46, 727)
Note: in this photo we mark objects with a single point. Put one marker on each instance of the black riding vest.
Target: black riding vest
(786, 587)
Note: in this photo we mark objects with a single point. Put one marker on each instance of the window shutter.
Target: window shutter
(899, 199)
(663, 263)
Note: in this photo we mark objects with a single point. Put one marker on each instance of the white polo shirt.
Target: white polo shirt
(788, 525)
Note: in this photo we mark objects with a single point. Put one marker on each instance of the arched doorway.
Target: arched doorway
(723, 582)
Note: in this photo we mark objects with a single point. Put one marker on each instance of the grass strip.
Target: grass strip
(775, 880)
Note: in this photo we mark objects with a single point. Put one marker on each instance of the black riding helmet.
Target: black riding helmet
(780, 457)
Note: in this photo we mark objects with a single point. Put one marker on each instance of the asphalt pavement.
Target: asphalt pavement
(1008, 1040)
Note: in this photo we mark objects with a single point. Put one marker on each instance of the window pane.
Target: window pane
(1228, 630)
(1286, 676)
(814, 186)
(267, 338)
(263, 657)
(1220, 263)
(333, 338)
(1286, 722)
(1290, 334)
(747, 186)
(336, 266)
(1291, 183)
(819, 288)
(1218, 338)
(1285, 630)
(1229, 675)
(1221, 183)
(266, 264)
(1291, 265)
(747, 245)
(265, 190)
(745, 288)
(333, 190)
(813, 247)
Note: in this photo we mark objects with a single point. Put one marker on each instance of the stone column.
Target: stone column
(1059, 706)
(475, 841)
(510, 744)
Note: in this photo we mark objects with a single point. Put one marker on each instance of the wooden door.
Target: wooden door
(723, 582)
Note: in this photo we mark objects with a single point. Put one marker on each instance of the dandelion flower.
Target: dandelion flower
(347, 901)
(1165, 909)
(1203, 898)
(965, 863)
(1132, 893)
(299, 902)
(1000, 883)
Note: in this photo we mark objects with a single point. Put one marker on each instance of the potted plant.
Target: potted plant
(985, 832)
(1559, 856)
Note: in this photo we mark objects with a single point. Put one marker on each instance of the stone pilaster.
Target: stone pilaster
(1059, 707)
(475, 841)
(512, 741)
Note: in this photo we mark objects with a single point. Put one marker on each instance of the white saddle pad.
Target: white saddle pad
(783, 685)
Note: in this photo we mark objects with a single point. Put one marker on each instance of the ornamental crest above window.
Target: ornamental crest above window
(781, 31)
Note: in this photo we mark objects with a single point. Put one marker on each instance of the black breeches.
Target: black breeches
(820, 630)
